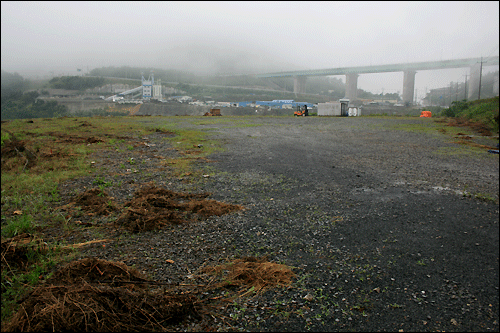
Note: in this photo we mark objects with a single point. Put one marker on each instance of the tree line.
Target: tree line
(18, 103)
(76, 82)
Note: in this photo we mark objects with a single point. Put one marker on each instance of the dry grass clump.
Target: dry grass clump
(98, 309)
(473, 144)
(477, 126)
(252, 272)
(153, 207)
(94, 270)
(73, 300)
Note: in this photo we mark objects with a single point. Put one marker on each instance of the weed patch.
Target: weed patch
(154, 207)
(476, 126)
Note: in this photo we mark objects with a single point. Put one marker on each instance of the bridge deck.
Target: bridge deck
(428, 65)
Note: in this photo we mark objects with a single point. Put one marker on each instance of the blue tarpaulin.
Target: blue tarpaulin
(494, 151)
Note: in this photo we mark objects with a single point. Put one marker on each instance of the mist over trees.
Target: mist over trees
(16, 103)
(458, 91)
(12, 82)
(126, 72)
(76, 82)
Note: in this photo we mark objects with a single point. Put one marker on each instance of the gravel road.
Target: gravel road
(380, 222)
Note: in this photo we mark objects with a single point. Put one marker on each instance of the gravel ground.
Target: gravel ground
(373, 219)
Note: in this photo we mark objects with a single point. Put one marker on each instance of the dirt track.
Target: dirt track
(373, 218)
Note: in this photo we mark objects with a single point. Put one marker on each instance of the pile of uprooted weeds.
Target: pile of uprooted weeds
(153, 207)
(79, 297)
(98, 295)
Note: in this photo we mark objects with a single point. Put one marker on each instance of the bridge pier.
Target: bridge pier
(408, 87)
(299, 84)
(351, 86)
(474, 82)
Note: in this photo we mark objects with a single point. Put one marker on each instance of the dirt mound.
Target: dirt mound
(95, 270)
(153, 207)
(75, 306)
(252, 272)
(96, 201)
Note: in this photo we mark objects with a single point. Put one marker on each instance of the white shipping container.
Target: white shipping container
(329, 109)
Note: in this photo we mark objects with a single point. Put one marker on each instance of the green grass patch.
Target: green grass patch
(483, 111)
(460, 151)
(18, 225)
(52, 150)
(417, 126)
(5, 136)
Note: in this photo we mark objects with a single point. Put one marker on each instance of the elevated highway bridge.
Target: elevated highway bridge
(409, 70)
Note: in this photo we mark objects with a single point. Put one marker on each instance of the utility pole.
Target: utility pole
(456, 96)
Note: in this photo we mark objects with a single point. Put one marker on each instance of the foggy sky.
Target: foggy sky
(242, 37)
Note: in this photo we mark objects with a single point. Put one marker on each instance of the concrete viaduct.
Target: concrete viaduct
(409, 70)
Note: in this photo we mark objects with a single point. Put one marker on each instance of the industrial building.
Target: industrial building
(147, 87)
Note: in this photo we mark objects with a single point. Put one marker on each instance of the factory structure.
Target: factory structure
(152, 90)
(149, 91)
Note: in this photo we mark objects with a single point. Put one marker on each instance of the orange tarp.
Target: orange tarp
(426, 114)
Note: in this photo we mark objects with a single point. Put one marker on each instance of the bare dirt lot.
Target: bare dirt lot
(388, 226)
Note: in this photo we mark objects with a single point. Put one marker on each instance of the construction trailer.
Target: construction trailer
(339, 109)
